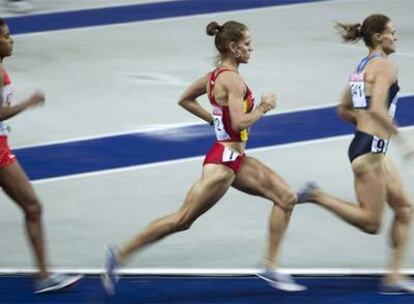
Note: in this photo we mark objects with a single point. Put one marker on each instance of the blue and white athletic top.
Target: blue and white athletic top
(357, 84)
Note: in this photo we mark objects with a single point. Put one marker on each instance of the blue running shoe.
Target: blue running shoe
(304, 193)
(110, 276)
(56, 282)
(402, 287)
(281, 280)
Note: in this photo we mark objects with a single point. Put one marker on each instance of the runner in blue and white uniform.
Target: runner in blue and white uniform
(369, 102)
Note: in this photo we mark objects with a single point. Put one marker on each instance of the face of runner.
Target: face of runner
(6, 41)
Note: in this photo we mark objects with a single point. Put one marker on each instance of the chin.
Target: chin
(391, 51)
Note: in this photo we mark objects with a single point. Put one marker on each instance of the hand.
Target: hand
(36, 99)
(268, 102)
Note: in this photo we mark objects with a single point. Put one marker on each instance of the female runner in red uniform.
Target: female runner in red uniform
(13, 179)
(226, 164)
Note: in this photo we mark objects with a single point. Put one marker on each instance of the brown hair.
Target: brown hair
(231, 31)
(353, 32)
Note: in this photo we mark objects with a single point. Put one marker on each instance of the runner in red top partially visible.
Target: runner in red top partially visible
(13, 179)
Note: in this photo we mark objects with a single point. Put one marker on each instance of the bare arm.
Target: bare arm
(7, 112)
(345, 109)
(236, 90)
(386, 75)
(189, 99)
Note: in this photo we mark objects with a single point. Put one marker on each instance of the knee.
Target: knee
(372, 226)
(288, 200)
(180, 223)
(182, 226)
(405, 213)
(33, 211)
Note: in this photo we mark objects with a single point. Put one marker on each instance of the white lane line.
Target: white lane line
(210, 271)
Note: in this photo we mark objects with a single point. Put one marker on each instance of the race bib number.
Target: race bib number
(221, 133)
(229, 155)
(379, 145)
(356, 82)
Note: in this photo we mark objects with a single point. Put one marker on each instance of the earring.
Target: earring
(236, 54)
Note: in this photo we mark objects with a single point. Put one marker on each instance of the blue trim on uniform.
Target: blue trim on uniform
(176, 143)
(365, 60)
(392, 92)
(134, 13)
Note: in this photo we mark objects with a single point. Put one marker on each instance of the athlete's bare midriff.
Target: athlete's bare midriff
(367, 124)
(237, 147)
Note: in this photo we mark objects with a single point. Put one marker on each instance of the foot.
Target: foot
(281, 280)
(401, 287)
(305, 193)
(110, 276)
(56, 282)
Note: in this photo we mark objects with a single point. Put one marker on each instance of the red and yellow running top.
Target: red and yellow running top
(7, 94)
(221, 114)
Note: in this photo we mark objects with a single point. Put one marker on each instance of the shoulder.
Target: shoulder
(384, 67)
(231, 79)
(205, 78)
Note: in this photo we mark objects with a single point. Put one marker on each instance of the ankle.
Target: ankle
(394, 277)
(315, 196)
(120, 257)
(43, 274)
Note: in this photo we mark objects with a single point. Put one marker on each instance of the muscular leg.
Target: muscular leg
(213, 184)
(398, 200)
(257, 179)
(370, 191)
(15, 183)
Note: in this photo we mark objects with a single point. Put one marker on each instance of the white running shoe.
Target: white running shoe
(56, 282)
(110, 276)
(401, 287)
(304, 193)
(281, 280)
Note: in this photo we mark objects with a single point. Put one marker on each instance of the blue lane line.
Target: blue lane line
(176, 143)
(133, 13)
(205, 290)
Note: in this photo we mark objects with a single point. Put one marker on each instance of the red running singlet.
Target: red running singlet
(221, 114)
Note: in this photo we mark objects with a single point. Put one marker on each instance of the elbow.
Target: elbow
(378, 115)
(185, 103)
(340, 112)
(346, 114)
(181, 103)
(375, 112)
(237, 126)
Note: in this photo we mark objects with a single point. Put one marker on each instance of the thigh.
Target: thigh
(397, 196)
(16, 185)
(369, 183)
(207, 191)
(257, 179)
